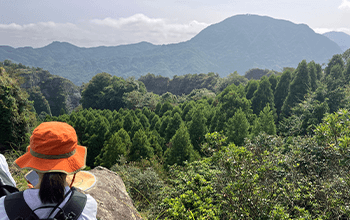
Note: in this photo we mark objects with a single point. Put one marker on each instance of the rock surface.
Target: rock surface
(113, 201)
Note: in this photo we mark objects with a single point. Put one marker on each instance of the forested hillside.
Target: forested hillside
(238, 43)
(51, 94)
(272, 148)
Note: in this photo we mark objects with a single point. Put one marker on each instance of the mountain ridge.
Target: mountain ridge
(341, 38)
(238, 43)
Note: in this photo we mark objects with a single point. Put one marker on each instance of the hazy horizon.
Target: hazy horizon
(94, 23)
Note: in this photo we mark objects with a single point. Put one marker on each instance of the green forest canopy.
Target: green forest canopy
(238, 155)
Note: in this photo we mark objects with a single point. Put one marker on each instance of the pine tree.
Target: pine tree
(237, 128)
(313, 75)
(80, 125)
(155, 119)
(335, 82)
(188, 106)
(117, 145)
(165, 107)
(251, 87)
(173, 125)
(99, 128)
(273, 80)
(299, 87)
(144, 121)
(128, 121)
(135, 127)
(265, 122)
(181, 149)
(282, 90)
(140, 148)
(346, 73)
(197, 129)
(164, 125)
(262, 96)
(176, 109)
(116, 125)
(146, 112)
(336, 60)
(156, 142)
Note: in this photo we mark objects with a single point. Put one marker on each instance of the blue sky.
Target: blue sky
(90, 23)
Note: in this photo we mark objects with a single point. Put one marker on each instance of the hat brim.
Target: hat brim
(70, 165)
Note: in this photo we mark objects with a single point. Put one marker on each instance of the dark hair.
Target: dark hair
(52, 187)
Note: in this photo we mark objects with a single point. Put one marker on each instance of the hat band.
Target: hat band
(60, 156)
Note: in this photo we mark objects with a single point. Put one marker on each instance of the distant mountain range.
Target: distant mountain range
(341, 38)
(239, 43)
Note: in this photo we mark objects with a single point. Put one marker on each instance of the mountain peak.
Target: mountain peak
(59, 44)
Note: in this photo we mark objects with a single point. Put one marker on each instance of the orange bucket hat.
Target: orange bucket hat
(53, 148)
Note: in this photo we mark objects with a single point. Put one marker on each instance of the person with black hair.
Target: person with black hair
(53, 153)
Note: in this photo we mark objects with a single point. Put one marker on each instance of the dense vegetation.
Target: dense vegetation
(273, 148)
(51, 94)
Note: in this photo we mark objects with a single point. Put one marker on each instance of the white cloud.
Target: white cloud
(345, 4)
(100, 32)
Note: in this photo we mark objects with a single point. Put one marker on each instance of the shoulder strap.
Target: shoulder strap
(16, 207)
(75, 205)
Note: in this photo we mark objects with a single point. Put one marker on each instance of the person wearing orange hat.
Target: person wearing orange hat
(53, 153)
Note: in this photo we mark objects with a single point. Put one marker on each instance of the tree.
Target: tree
(282, 90)
(229, 101)
(93, 91)
(140, 147)
(187, 107)
(197, 129)
(305, 115)
(173, 125)
(237, 128)
(106, 92)
(299, 87)
(156, 142)
(98, 129)
(251, 87)
(336, 60)
(313, 75)
(117, 145)
(164, 124)
(335, 82)
(128, 121)
(135, 127)
(273, 80)
(80, 125)
(144, 121)
(262, 96)
(180, 149)
(165, 107)
(346, 73)
(265, 122)
(154, 121)
(16, 117)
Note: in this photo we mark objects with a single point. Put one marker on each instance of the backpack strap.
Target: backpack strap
(16, 207)
(75, 205)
